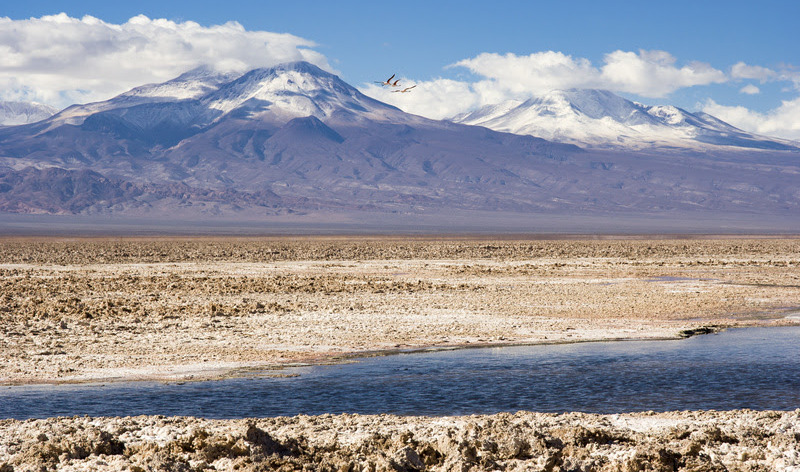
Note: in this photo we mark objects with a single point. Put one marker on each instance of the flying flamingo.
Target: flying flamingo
(405, 90)
(389, 81)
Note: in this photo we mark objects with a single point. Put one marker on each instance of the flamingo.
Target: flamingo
(405, 90)
(388, 81)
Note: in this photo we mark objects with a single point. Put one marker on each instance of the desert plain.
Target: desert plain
(177, 309)
(155, 309)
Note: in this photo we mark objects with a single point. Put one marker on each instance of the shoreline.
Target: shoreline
(259, 371)
(202, 308)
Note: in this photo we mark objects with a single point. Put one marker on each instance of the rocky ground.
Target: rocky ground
(105, 309)
(686, 441)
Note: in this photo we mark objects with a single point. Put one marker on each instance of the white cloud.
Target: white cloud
(790, 74)
(750, 89)
(646, 73)
(541, 71)
(783, 121)
(740, 70)
(510, 76)
(61, 60)
(653, 73)
(437, 99)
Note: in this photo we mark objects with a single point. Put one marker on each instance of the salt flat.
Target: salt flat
(77, 310)
(690, 441)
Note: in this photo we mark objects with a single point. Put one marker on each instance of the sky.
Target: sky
(738, 60)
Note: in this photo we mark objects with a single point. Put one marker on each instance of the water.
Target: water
(756, 368)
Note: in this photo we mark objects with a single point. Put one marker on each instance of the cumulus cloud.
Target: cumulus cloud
(790, 74)
(740, 70)
(437, 99)
(783, 121)
(504, 77)
(547, 70)
(646, 73)
(62, 60)
(654, 73)
(518, 77)
(750, 89)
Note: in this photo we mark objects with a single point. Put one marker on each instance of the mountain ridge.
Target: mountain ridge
(602, 119)
(18, 113)
(296, 140)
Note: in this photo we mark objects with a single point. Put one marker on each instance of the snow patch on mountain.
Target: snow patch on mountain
(189, 85)
(20, 113)
(667, 114)
(487, 113)
(602, 119)
(294, 90)
(203, 96)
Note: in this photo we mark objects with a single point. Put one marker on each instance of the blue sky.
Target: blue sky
(370, 40)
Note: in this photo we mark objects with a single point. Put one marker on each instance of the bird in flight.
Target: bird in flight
(389, 81)
(405, 90)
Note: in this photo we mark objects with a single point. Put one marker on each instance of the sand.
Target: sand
(176, 309)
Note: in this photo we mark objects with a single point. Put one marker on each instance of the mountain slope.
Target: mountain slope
(601, 119)
(18, 113)
(294, 139)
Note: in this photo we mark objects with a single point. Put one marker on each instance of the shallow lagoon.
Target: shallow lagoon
(757, 368)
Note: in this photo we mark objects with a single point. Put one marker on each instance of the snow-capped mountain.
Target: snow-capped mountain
(294, 139)
(201, 98)
(188, 86)
(601, 119)
(297, 90)
(20, 113)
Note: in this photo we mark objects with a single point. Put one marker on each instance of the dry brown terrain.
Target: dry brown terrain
(89, 309)
(685, 441)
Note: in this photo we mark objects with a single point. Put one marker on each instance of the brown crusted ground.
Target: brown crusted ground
(73, 310)
(678, 441)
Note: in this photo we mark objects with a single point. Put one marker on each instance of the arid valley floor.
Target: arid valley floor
(77, 310)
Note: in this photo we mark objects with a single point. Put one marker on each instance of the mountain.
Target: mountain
(296, 142)
(18, 113)
(601, 119)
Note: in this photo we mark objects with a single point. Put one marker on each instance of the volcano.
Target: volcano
(296, 140)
